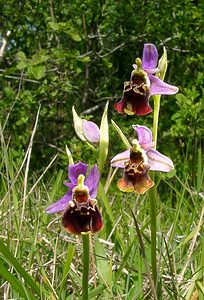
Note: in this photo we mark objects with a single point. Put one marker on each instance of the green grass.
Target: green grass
(39, 260)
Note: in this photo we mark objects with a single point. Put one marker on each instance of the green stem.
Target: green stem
(156, 118)
(152, 196)
(85, 276)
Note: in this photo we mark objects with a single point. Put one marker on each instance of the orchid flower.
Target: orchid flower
(91, 180)
(80, 212)
(138, 160)
(143, 84)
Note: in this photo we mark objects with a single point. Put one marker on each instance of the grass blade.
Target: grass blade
(7, 256)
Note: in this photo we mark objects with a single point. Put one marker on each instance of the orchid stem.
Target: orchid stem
(156, 118)
(152, 196)
(85, 276)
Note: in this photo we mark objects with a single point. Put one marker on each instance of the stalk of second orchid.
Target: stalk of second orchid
(85, 275)
(153, 196)
(152, 192)
(156, 99)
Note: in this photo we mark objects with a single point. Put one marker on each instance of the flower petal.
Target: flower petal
(69, 184)
(144, 136)
(60, 205)
(149, 57)
(92, 181)
(159, 162)
(120, 159)
(159, 87)
(75, 170)
(91, 131)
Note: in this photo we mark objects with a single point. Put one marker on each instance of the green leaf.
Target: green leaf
(104, 267)
(105, 202)
(70, 254)
(104, 139)
(162, 65)
(108, 211)
(15, 283)
(85, 59)
(96, 291)
(54, 26)
(69, 155)
(66, 27)
(124, 260)
(36, 71)
(121, 134)
(23, 62)
(73, 34)
(7, 256)
(39, 58)
(200, 287)
(78, 125)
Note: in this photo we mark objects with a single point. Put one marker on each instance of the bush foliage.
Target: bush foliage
(60, 54)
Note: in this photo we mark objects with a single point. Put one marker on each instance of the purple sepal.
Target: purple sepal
(159, 87)
(149, 57)
(120, 159)
(75, 170)
(159, 162)
(92, 181)
(144, 136)
(91, 131)
(60, 205)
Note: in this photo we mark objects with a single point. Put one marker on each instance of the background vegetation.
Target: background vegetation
(60, 54)
(63, 53)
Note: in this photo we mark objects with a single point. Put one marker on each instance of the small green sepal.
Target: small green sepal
(163, 65)
(104, 139)
(78, 125)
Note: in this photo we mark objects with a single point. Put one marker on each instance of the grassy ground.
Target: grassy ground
(39, 260)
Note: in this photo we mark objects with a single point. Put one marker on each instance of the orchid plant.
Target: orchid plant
(81, 215)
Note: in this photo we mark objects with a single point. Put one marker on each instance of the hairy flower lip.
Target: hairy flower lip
(82, 219)
(140, 182)
(135, 99)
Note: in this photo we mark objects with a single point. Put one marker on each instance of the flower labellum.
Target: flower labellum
(82, 214)
(143, 84)
(138, 160)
